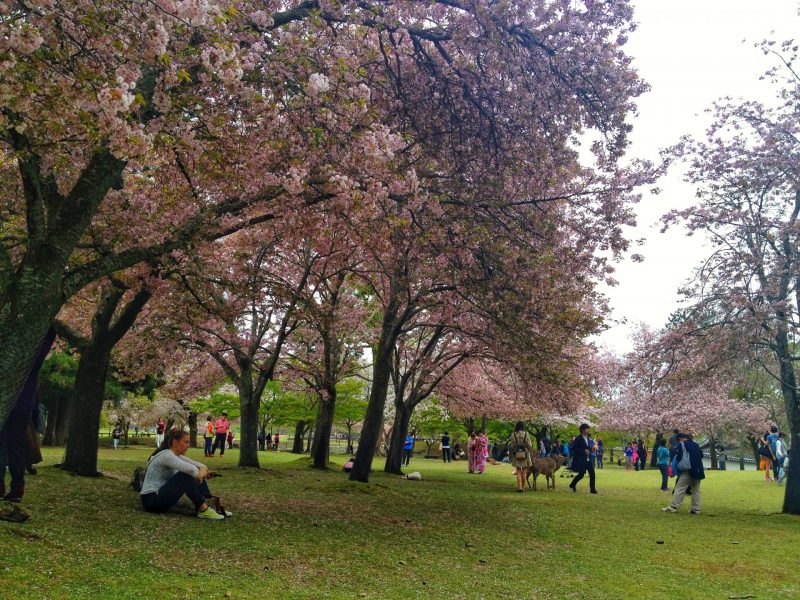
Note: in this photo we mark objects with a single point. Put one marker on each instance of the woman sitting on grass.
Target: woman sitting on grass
(170, 475)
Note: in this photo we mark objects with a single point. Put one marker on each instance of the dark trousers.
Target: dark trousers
(642, 462)
(219, 442)
(14, 447)
(664, 476)
(175, 487)
(406, 457)
(208, 443)
(776, 466)
(580, 475)
(599, 461)
(446, 455)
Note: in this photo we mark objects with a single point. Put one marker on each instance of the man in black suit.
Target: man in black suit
(581, 459)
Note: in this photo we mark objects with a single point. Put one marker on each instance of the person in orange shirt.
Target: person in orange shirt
(208, 435)
(221, 427)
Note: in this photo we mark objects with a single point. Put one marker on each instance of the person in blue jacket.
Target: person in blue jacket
(662, 455)
(688, 478)
(408, 448)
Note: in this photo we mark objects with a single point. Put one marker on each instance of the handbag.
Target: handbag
(685, 463)
(520, 452)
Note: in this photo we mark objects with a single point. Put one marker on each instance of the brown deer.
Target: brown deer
(547, 467)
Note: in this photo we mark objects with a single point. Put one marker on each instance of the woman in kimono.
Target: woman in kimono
(481, 452)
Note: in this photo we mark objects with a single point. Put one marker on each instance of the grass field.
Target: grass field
(300, 533)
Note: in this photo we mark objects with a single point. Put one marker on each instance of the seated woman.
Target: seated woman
(170, 475)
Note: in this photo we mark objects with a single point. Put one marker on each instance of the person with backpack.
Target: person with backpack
(520, 451)
(170, 475)
(767, 456)
(689, 459)
(208, 436)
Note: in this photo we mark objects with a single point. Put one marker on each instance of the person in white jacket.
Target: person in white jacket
(782, 457)
(170, 475)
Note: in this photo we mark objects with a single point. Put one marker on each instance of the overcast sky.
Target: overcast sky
(691, 52)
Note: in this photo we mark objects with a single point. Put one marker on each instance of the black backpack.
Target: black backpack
(138, 478)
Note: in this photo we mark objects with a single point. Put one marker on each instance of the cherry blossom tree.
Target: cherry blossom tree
(745, 295)
(501, 187)
(329, 341)
(237, 303)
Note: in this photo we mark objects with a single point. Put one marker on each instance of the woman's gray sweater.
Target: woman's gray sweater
(163, 466)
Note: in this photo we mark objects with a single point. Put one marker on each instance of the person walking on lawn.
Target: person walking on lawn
(581, 459)
(689, 475)
(221, 427)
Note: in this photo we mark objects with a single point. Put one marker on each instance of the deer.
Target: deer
(547, 467)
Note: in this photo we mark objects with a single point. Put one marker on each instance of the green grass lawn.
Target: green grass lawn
(300, 533)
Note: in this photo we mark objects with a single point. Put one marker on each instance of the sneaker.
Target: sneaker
(695, 512)
(669, 509)
(210, 513)
(574, 490)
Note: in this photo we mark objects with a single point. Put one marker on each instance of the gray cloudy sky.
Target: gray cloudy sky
(692, 52)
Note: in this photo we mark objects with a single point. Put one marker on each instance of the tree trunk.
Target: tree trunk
(788, 381)
(248, 434)
(321, 446)
(469, 424)
(57, 421)
(791, 501)
(394, 459)
(84, 417)
(192, 429)
(381, 376)
(299, 434)
(654, 453)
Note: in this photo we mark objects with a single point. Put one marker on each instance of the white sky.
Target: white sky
(691, 52)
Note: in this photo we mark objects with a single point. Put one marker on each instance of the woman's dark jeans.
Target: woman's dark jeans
(175, 487)
(664, 476)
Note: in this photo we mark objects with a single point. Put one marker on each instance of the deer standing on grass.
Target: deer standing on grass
(547, 467)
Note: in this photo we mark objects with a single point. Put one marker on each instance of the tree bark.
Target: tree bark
(84, 417)
(381, 377)
(192, 429)
(248, 435)
(57, 421)
(90, 380)
(791, 499)
(321, 446)
(402, 419)
(299, 434)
